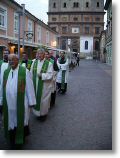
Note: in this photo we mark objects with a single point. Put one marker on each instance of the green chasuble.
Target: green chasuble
(40, 82)
(19, 137)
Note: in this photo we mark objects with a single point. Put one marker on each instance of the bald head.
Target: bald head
(13, 61)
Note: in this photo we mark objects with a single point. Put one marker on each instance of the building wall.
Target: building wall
(80, 18)
(69, 4)
(109, 33)
(9, 37)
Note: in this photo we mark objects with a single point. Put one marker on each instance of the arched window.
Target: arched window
(64, 5)
(54, 5)
(75, 5)
(87, 4)
(86, 45)
(98, 4)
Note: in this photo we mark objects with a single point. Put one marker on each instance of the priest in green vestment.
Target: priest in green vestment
(42, 73)
(16, 98)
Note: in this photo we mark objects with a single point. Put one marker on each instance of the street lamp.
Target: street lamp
(20, 13)
(23, 25)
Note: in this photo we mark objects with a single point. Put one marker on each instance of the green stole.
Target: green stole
(29, 64)
(63, 80)
(19, 137)
(1, 61)
(63, 74)
(40, 82)
(52, 61)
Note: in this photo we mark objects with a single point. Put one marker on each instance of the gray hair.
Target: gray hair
(41, 50)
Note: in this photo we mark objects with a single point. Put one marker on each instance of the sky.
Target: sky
(39, 8)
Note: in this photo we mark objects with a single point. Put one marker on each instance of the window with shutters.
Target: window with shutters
(3, 17)
(39, 34)
(16, 22)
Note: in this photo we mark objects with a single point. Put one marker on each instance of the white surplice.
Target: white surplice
(4, 66)
(11, 97)
(47, 87)
(54, 81)
(61, 68)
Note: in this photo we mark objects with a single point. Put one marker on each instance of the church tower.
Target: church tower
(78, 22)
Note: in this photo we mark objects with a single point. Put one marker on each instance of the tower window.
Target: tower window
(54, 19)
(64, 30)
(87, 4)
(97, 19)
(75, 19)
(87, 18)
(54, 5)
(54, 28)
(98, 4)
(64, 5)
(75, 5)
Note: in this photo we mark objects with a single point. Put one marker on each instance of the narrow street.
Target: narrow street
(81, 119)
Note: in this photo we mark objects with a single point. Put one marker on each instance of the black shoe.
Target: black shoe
(43, 118)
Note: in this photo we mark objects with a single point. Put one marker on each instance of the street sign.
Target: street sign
(29, 35)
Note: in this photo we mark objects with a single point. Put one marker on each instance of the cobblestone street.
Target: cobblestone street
(81, 119)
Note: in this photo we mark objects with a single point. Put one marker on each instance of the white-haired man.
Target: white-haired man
(16, 98)
(42, 72)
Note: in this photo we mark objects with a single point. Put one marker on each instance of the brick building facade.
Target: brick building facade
(77, 21)
(42, 33)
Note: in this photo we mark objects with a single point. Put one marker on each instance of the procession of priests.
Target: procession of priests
(29, 86)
